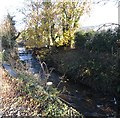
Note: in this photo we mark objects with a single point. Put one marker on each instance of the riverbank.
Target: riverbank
(91, 103)
(98, 71)
(24, 96)
(89, 99)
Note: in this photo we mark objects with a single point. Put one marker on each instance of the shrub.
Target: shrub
(34, 100)
(96, 70)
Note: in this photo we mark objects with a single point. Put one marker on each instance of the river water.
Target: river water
(86, 100)
(89, 102)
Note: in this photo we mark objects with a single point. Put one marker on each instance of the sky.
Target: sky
(100, 14)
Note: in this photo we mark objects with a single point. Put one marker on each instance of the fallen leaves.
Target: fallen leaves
(24, 96)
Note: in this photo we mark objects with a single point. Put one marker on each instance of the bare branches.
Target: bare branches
(107, 25)
(104, 2)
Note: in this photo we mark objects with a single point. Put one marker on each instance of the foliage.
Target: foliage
(47, 22)
(99, 41)
(70, 13)
(1, 56)
(5, 55)
(80, 39)
(104, 41)
(98, 71)
(33, 100)
(8, 32)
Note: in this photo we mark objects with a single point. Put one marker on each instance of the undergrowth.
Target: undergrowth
(31, 99)
(98, 71)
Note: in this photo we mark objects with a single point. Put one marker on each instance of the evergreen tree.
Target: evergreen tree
(8, 32)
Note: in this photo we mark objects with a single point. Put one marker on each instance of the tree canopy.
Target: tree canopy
(49, 23)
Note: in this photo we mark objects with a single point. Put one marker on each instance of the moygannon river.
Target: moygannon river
(89, 102)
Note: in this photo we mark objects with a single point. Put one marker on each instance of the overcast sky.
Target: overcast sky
(100, 14)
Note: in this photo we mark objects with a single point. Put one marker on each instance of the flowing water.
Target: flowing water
(89, 102)
(86, 100)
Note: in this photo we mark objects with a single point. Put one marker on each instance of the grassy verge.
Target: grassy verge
(31, 99)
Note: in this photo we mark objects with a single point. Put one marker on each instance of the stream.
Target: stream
(87, 101)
